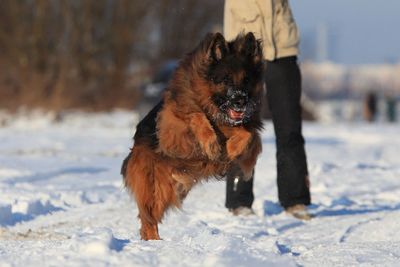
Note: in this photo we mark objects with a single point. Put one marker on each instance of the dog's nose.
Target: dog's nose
(239, 102)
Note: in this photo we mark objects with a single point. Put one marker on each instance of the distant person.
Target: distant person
(273, 23)
(391, 112)
(370, 107)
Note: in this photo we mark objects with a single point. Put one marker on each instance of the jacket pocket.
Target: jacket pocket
(285, 30)
(286, 34)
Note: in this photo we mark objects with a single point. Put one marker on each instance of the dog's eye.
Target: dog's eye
(246, 80)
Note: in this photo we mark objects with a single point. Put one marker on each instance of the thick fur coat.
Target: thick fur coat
(207, 123)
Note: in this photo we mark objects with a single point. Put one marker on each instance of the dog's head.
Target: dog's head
(234, 73)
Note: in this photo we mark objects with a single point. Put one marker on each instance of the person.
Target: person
(370, 107)
(390, 107)
(272, 22)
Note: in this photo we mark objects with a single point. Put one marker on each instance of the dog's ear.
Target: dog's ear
(217, 46)
(252, 47)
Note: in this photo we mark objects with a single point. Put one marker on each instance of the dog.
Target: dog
(206, 125)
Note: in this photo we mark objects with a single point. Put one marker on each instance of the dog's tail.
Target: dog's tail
(125, 165)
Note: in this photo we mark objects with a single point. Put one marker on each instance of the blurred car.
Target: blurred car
(152, 91)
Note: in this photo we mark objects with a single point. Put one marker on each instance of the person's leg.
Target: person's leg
(283, 81)
(239, 193)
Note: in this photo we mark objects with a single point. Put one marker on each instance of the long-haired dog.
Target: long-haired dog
(207, 124)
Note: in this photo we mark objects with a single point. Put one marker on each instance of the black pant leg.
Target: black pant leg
(239, 193)
(283, 82)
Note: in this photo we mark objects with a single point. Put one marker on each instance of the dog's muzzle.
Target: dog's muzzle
(237, 100)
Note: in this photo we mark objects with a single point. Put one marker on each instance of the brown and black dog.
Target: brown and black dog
(207, 123)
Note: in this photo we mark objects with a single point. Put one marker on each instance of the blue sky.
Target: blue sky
(359, 31)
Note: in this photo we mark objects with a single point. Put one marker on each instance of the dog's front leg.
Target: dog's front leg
(205, 135)
(175, 138)
(248, 159)
(237, 143)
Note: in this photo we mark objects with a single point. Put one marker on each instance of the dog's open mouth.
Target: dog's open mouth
(236, 115)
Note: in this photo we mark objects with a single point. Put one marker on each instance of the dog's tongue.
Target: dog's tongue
(236, 115)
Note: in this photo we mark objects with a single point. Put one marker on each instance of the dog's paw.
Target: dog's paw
(232, 150)
(247, 174)
(237, 144)
(212, 148)
(205, 135)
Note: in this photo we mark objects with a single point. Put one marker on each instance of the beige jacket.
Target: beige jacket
(270, 20)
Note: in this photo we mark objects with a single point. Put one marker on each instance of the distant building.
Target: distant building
(330, 80)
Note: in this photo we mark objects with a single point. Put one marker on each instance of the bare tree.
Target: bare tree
(77, 53)
(184, 22)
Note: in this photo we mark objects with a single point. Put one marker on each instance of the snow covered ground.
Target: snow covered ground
(62, 202)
